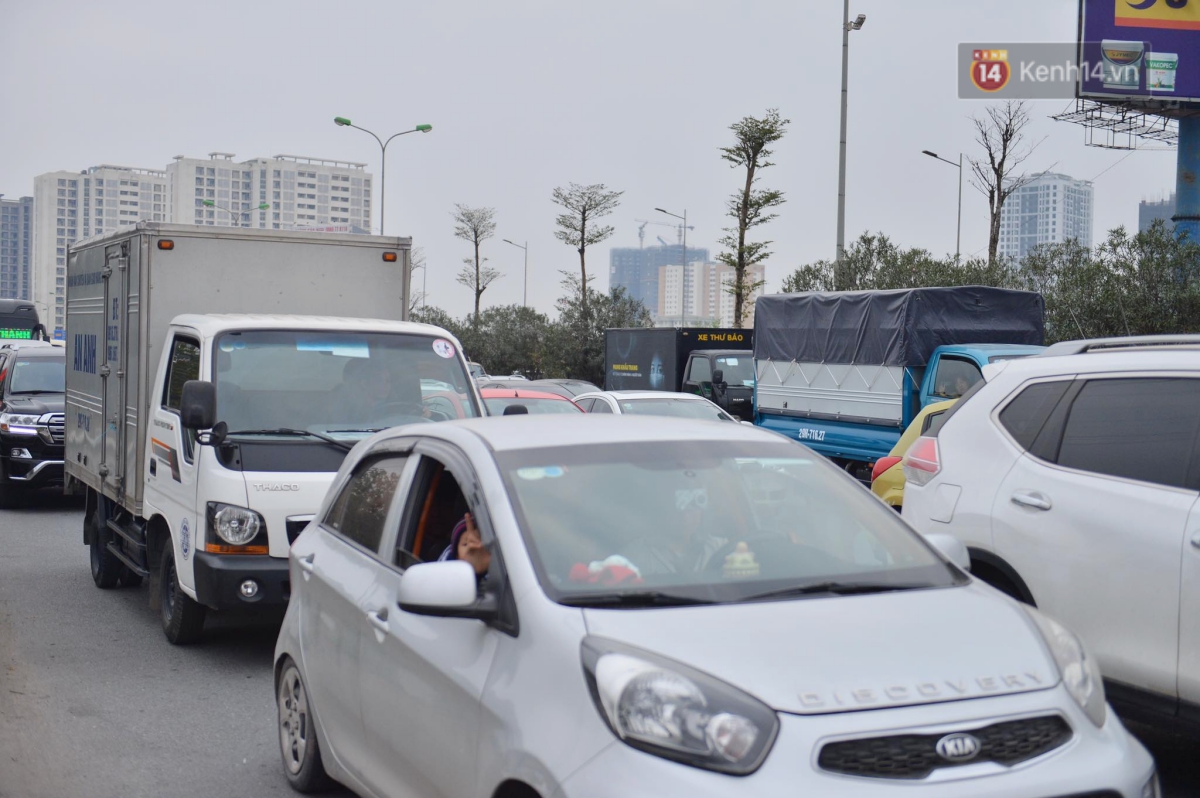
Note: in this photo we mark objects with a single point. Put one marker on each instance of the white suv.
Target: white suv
(1074, 480)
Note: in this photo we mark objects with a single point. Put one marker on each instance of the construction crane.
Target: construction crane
(642, 231)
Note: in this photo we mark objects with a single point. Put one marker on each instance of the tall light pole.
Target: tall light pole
(342, 121)
(683, 273)
(847, 26)
(236, 215)
(525, 295)
(958, 236)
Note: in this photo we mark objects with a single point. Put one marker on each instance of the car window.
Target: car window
(38, 375)
(1138, 428)
(700, 370)
(359, 512)
(738, 369)
(1026, 414)
(586, 404)
(534, 405)
(955, 376)
(601, 406)
(183, 366)
(670, 406)
(432, 509)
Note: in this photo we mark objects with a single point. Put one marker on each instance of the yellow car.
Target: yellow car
(887, 477)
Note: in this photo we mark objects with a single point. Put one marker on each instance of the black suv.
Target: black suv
(32, 376)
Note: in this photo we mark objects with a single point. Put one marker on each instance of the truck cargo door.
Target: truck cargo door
(112, 368)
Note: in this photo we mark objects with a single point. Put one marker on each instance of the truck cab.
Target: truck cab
(723, 376)
(953, 369)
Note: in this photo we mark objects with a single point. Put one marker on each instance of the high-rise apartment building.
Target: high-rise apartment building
(1149, 212)
(68, 206)
(16, 248)
(705, 295)
(1049, 209)
(302, 192)
(636, 270)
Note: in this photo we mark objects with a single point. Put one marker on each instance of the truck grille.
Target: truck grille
(56, 422)
(915, 756)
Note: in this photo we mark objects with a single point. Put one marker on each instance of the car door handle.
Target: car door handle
(1031, 499)
(378, 619)
(306, 562)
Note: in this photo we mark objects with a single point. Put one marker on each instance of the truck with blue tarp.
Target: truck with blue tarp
(845, 372)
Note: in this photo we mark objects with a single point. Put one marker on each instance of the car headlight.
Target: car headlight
(235, 525)
(1080, 672)
(18, 424)
(667, 709)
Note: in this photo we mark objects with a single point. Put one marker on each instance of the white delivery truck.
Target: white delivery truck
(216, 378)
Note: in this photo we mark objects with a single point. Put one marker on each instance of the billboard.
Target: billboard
(1142, 51)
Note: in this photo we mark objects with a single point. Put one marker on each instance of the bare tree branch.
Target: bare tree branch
(1000, 132)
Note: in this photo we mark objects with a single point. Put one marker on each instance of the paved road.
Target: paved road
(95, 703)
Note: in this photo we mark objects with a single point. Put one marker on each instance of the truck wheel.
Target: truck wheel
(106, 569)
(182, 618)
(298, 734)
(129, 578)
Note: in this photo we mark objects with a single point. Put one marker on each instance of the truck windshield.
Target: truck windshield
(40, 375)
(739, 369)
(338, 383)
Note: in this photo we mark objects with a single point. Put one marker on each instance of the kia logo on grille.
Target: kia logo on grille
(958, 747)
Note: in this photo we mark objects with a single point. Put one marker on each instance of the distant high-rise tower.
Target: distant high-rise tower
(1149, 212)
(16, 248)
(636, 269)
(1049, 209)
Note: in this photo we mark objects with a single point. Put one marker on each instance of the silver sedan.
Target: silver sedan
(652, 403)
(572, 607)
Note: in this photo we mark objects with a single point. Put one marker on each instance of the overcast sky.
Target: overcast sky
(526, 95)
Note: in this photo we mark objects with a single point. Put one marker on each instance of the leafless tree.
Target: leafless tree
(578, 228)
(416, 298)
(1001, 134)
(475, 225)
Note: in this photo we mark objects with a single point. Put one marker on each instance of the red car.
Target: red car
(499, 400)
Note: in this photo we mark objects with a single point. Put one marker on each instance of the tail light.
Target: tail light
(921, 463)
(883, 464)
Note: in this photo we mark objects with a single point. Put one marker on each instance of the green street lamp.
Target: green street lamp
(235, 215)
(342, 121)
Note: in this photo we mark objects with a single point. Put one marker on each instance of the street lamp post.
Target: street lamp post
(525, 294)
(342, 121)
(683, 272)
(847, 26)
(958, 235)
(235, 215)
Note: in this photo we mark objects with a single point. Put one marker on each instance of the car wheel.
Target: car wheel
(298, 734)
(106, 569)
(182, 617)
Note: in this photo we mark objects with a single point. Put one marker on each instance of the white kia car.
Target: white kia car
(1073, 478)
(575, 607)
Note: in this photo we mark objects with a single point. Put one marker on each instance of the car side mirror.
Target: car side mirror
(445, 589)
(198, 406)
(951, 548)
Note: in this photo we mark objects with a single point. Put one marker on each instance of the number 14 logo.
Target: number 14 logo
(989, 69)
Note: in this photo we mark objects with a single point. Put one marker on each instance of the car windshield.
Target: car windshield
(496, 406)
(338, 383)
(738, 369)
(669, 406)
(38, 375)
(712, 521)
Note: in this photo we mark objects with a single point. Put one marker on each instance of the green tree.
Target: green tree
(578, 228)
(576, 339)
(749, 207)
(475, 225)
(512, 339)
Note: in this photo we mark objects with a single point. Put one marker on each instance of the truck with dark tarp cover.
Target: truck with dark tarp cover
(711, 362)
(845, 372)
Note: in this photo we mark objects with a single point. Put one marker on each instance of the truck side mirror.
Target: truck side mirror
(198, 407)
(718, 377)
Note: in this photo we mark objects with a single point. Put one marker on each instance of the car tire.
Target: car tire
(182, 617)
(298, 746)
(106, 568)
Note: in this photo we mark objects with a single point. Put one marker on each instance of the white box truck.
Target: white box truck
(216, 378)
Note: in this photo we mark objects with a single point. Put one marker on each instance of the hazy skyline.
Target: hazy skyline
(525, 96)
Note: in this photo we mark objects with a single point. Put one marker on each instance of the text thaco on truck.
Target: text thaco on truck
(714, 363)
(846, 372)
(216, 378)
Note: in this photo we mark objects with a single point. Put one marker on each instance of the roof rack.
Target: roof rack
(1110, 344)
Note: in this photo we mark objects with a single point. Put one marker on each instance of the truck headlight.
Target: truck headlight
(1080, 672)
(18, 424)
(235, 525)
(667, 709)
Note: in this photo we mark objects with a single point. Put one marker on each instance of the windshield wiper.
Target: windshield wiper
(372, 431)
(644, 598)
(33, 391)
(295, 433)
(835, 588)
